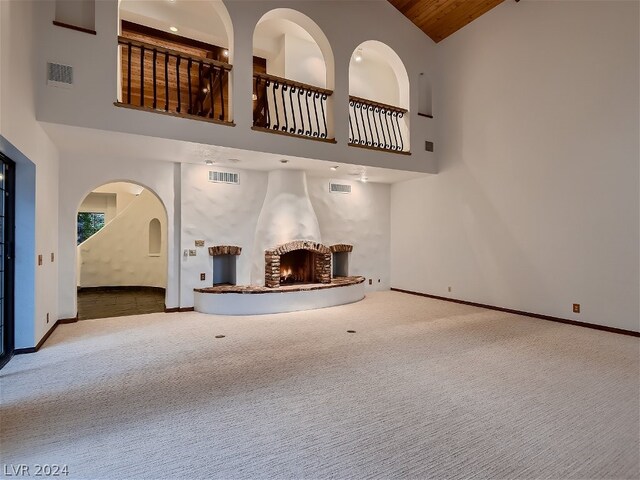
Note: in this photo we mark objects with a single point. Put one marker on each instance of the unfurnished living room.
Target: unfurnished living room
(315, 239)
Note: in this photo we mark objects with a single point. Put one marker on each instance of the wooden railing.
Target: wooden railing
(173, 82)
(377, 125)
(292, 108)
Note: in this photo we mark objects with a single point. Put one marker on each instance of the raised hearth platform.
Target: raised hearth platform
(254, 300)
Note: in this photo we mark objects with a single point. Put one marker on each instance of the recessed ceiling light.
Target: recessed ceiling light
(284, 161)
(209, 162)
(173, 29)
(364, 179)
(334, 168)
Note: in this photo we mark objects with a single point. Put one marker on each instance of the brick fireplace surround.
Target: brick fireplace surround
(322, 262)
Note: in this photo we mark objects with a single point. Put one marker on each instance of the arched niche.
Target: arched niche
(378, 98)
(295, 48)
(155, 237)
(377, 73)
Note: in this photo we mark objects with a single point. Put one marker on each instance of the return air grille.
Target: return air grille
(224, 177)
(59, 75)
(339, 188)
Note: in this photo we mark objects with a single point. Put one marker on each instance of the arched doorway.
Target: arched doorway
(293, 75)
(378, 98)
(121, 253)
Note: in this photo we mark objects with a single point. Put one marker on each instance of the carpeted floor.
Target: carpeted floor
(423, 389)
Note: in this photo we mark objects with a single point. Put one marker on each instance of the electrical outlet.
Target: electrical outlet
(47, 317)
(52, 257)
(192, 253)
(449, 288)
(576, 308)
(202, 277)
(39, 260)
(370, 281)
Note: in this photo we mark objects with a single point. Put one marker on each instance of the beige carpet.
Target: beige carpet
(423, 389)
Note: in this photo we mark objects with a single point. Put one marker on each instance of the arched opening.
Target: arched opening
(175, 57)
(378, 98)
(293, 75)
(121, 252)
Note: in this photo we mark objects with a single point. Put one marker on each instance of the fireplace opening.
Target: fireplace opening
(297, 266)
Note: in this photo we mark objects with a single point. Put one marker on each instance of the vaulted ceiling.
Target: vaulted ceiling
(441, 18)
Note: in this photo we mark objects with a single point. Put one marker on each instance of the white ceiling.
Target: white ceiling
(86, 141)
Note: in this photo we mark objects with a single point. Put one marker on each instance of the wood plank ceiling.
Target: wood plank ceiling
(441, 18)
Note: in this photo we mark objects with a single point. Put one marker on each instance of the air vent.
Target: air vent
(224, 177)
(59, 75)
(339, 188)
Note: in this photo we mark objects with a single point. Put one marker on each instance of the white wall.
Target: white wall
(79, 176)
(536, 204)
(361, 219)
(23, 140)
(219, 214)
(118, 254)
(374, 79)
(304, 62)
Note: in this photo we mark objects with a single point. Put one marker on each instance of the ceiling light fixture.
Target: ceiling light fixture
(208, 162)
(358, 55)
(173, 29)
(284, 161)
(364, 179)
(334, 168)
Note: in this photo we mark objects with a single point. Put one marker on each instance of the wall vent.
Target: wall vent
(59, 75)
(339, 188)
(428, 146)
(224, 177)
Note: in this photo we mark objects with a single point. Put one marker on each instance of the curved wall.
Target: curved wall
(118, 254)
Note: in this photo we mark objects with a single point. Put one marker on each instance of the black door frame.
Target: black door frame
(9, 252)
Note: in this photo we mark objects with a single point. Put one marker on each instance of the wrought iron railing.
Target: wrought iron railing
(170, 81)
(294, 108)
(377, 125)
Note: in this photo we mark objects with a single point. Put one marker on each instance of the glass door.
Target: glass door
(7, 181)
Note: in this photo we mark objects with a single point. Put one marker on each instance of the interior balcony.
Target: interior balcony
(161, 69)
